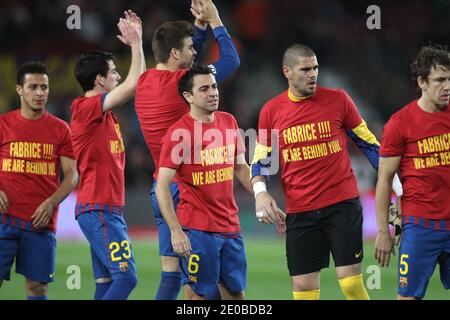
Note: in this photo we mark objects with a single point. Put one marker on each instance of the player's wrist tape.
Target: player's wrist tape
(397, 186)
(259, 187)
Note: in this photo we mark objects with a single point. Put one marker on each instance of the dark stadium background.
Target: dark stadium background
(372, 65)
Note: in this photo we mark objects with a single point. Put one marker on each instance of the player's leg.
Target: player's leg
(307, 253)
(189, 293)
(233, 267)
(444, 263)
(227, 295)
(343, 230)
(36, 290)
(419, 252)
(108, 237)
(9, 245)
(102, 276)
(170, 283)
(201, 270)
(36, 262)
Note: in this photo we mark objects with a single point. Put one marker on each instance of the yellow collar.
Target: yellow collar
(293, 98)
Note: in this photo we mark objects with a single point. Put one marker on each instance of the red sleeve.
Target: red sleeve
(392, 142)
(175, 148)
(352, 118)
(65, 147)
(264, 128)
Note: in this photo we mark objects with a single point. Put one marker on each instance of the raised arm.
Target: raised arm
(131, 35)
(180, 241)
(200, 27)
(205, 10)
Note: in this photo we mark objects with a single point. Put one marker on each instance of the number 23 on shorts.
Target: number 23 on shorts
(115, 247)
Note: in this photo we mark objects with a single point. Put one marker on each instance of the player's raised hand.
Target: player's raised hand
(129, 33)
(266, 208)
(43, 214)
(383, 248)
(206, 11)
(4, 202)
(195, 10)
(181, 244)
(134, 19)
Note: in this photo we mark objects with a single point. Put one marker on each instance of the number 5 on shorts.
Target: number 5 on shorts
(403, 264)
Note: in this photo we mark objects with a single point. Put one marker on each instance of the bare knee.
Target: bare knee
(189, 294)
(306, 282)
(35, 288)
(170, 264)
(348, 271)
(227, 295)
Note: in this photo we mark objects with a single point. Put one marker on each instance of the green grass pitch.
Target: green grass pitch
(267, 274)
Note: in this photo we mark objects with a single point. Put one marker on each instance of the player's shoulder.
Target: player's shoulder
(275, 101)
(55, 120)
(404, 113)
(56, 123)
(225, 115)
(153, 76)
(331, 92)
(146, 75)
(8, 115)
(184, 122)
(82, 101)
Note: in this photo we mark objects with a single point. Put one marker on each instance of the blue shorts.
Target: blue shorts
(112, 255)
(420, 250)
(34, 252)
(164, 236)
(215, 258)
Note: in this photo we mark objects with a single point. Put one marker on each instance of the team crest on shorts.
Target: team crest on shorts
(193, 278)
(403, 282)
(123, 266)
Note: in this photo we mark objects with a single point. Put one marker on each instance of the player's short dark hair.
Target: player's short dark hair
(170, 35)
(429, 57)
(293, 52)
(30, 67)
(186, 83)
(90, 65)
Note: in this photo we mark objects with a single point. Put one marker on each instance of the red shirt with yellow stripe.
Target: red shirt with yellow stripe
(312, 146)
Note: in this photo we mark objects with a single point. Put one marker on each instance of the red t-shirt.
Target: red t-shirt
(203, 155)
(100, 153)
(315, 165)
(30, 164)
(422, 139)
(158, 106)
